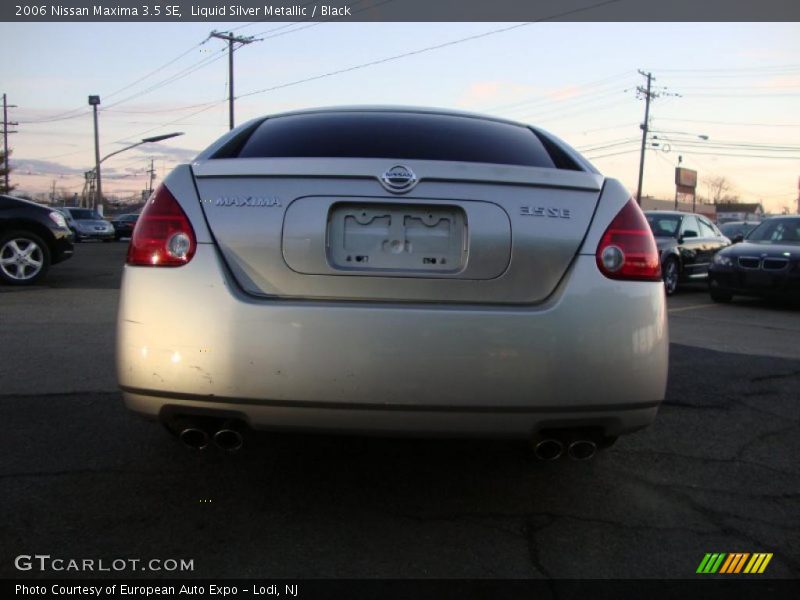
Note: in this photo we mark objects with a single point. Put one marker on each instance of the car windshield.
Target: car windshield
(777, 231)
(664, 225)
(84, 214)
(730, 229)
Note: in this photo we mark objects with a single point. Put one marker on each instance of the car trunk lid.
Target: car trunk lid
(328, 229)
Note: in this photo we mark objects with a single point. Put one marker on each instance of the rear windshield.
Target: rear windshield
(396, 136)
(664, 225)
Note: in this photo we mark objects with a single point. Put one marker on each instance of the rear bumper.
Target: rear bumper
(595, 354)
(94, 235)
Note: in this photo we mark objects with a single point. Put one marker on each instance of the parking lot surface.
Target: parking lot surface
(81, 477)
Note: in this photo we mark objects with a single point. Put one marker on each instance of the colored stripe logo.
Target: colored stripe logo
(734, 563)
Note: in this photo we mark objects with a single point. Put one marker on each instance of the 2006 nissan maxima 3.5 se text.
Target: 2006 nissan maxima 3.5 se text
(393, 270)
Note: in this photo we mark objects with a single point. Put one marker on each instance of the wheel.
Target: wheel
(24, 258)
(670, 274)
(718, 295)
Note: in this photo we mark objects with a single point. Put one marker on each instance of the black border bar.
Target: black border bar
(705, 587)
(399, 10)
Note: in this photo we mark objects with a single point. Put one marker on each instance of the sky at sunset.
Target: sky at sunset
(738, 84)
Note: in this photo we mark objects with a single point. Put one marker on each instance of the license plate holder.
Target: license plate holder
(396, 237)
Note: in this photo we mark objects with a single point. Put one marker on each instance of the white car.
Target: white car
(393, 271)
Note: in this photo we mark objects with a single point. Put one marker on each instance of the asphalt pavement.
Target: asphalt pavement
(83, 478)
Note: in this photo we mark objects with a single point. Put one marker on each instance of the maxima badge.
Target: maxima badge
(399, 179)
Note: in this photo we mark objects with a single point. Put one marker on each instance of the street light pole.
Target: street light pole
(94, 101)
(98, 160)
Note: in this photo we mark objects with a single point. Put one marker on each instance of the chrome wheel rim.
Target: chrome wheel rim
(671, 276)
(21, 259)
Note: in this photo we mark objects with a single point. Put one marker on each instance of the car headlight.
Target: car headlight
(722, 260)
(58, 219)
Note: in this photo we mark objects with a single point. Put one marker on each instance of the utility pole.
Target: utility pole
(152, 175)
(6, 133)
(94, 101)
(231, 39)
(644, 127)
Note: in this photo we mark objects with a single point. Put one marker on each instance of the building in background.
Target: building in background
(739, 211)
(707, 210)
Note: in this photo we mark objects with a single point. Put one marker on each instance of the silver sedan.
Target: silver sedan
(393, 271)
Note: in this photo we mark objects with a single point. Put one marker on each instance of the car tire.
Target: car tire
(670, 273)
(721, 296)
(24, 258)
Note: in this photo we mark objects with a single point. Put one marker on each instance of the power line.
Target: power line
(761, 69)
(579, 103)
(740, 155)
(613, 154)
(426, 49)
(602, 146)
(737, 123)
(158, 70)
(172, 78)
(547, 100)
(71, 114)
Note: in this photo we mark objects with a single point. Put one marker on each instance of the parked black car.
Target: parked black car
(736, 231)
(124, 224)
(687, 243)
(32, 237)
(766, 263)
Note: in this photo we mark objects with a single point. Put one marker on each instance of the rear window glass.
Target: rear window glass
(664, 225)
(396, 136)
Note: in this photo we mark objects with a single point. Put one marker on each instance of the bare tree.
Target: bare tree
(717, 188)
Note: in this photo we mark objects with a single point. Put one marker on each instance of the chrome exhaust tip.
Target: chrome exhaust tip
(228, 439)
(193, 437)
(548, 449)
(582, 450)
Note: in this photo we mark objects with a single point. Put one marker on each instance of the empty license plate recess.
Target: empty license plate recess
(397, 237)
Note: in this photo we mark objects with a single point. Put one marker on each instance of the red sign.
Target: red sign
(685, 178)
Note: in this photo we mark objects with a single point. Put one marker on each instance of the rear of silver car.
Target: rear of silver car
(391, 293)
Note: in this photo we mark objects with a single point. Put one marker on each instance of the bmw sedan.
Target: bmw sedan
(32, 237)
(393, 271)
(686, 243)
(766, 263)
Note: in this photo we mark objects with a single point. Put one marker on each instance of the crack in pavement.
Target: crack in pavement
(714, 516)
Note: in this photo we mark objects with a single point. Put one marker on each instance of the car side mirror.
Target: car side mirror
(739, 237)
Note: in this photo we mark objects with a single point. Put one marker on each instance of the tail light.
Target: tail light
(627, 249)
(163, 236)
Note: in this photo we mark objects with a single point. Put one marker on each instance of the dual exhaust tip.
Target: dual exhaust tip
(227, 436)
(576, 449)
